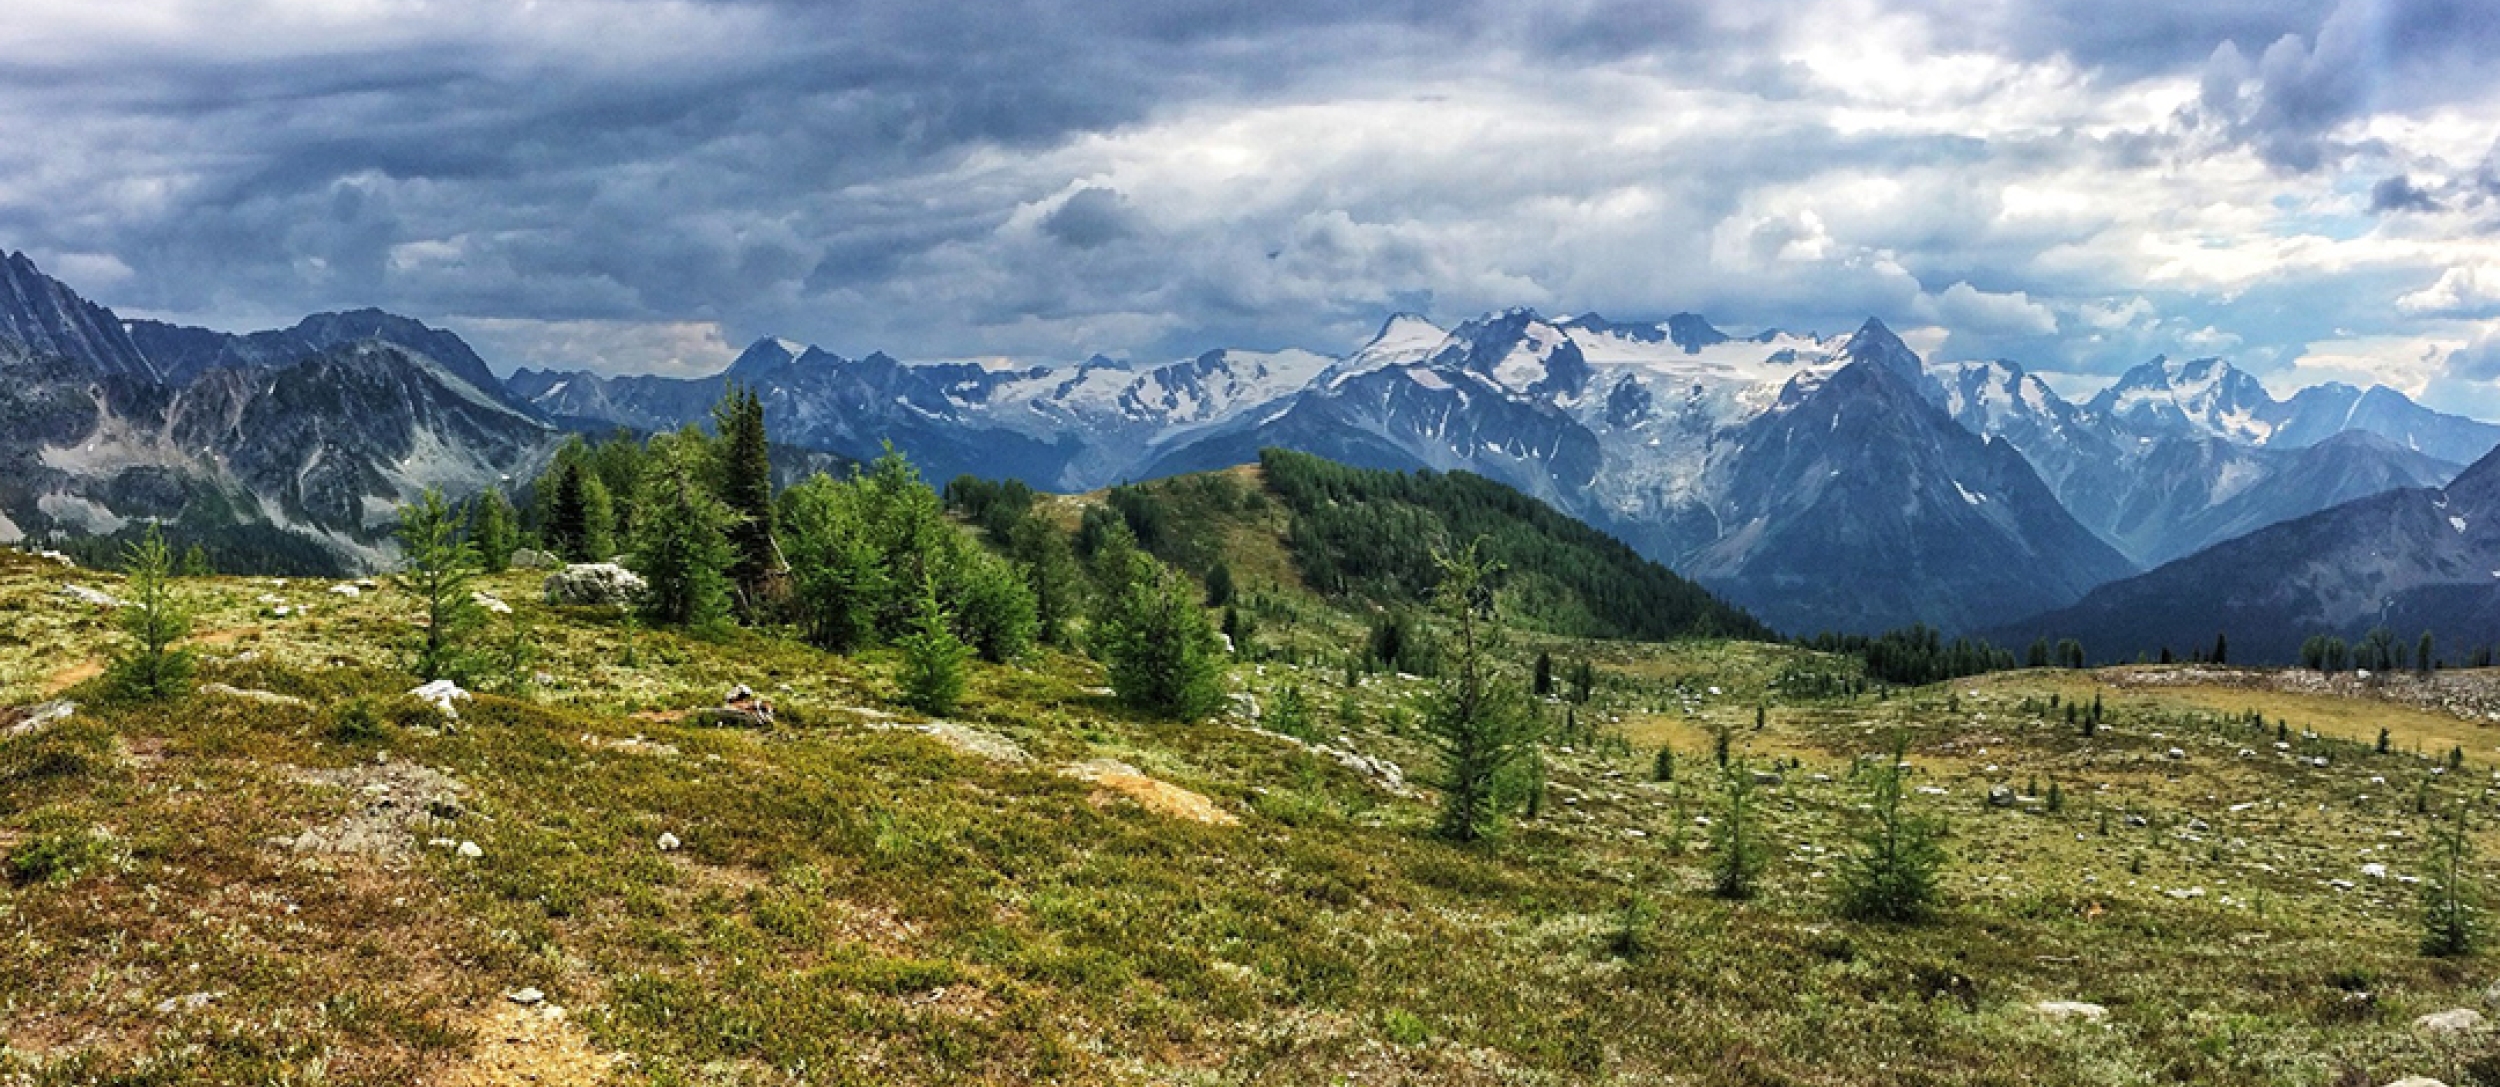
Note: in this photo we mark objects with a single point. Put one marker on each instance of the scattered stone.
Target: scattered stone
(490, 602)
(669, 842)
(188, 1002)
(1765, 777)
(531, 558)
(525, 996)
(2071, 1009)
(2452, 1021)
(595, 584)
(443, 693)
(344, 589)
(2001, 796)
(2175, 753)
(16, 722)
(742, 709)
(2374, 870)
(470, 850)
(401, 803)
(2138, 821)
(2417, 1081)
(266, 698)
(91, 597)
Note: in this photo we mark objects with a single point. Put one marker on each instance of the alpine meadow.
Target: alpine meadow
(1182, 585)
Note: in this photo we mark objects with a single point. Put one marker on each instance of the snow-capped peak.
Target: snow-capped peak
(2205, 396)
(1874, 343)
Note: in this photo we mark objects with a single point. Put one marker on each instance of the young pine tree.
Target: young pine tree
(494, 528)
(1481, 723)
(2448, 924)
(598, 541)
(933, 658)
(744, 475)
(1894, 873)
(839, 577)
(154, 618)
(195, 562)
(1156, 642)
(1737, 851)
(1543, 684)
(994, 607)
(437, 565)
(681, 545)
(566, 530)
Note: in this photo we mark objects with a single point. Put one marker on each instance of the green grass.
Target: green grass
(861, 904)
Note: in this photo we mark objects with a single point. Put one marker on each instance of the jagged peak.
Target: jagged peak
(1875, 343)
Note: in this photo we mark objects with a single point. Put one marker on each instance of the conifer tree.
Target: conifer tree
(195, 562)
(155, 618)
(1737, 852)
(1894, 873)
(598, 539)
(2448, 922)
(933, 658)
(1050, 570)
(681, 545)
(566, 532)
(745, 485)
(437, 565)
(1219, 584)
(1156, 642)
(1544, 682)
(1479, 721)
(493, 531)
(994, 609)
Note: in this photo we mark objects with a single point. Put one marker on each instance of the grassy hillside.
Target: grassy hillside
(1368, 536)
(272, 881)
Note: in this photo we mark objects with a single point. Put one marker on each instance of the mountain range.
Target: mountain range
(1820, 482)
(1835, 483)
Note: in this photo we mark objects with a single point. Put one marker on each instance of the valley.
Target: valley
(576, 881)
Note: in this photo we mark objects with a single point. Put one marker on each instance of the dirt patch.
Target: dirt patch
(65, 678)
(396, 803)
(1160, 797)
(537, 1046)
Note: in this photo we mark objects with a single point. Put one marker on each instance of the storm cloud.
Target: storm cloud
(645, 184)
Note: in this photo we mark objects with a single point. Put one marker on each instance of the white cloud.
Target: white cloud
(1967, 308)
(2465, 291)
(673, 348)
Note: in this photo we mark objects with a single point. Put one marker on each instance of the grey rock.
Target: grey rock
(2452, 1021)
(595, 584)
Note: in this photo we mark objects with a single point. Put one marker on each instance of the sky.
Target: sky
(2309, 188)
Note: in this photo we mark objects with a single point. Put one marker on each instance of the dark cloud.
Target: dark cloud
(2399, 193)
(2478, 361)
(1161, 176)
(1091, 217)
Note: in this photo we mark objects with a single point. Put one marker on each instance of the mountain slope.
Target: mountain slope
(325, 448)
(50, 319)
(2411, 560)
(1862, 506)
(180, 354)
(1370, 534)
